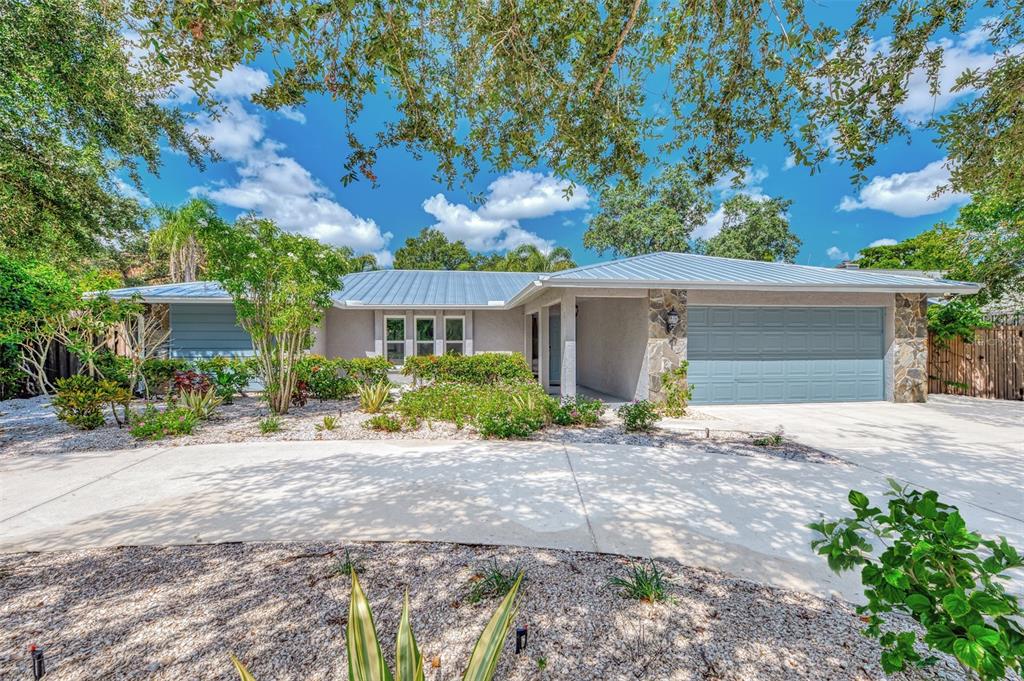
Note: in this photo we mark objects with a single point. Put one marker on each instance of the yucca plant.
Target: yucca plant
(366, 659)
(372, 396)
(201, 403)
(329, 423)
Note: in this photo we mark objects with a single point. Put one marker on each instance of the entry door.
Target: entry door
(555, 347)
(785, 354)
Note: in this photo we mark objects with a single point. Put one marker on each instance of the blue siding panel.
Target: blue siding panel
(785, 354)
(207, 330)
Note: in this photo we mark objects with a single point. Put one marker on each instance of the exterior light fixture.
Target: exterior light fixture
(672, 320)
(521, 634)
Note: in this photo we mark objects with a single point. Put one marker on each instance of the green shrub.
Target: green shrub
(153, 424)
(497, 410)
(271, 424)
(202, 404)
(113, 367)
(480, 369)
(493, 581)
(578, 411)
(228, 375)
(158, 373)
(639, 415)
(677, 391)
(773, 439)
(326, 379)
(452, 402)
(368, 370)
(373, 396)
(506, 419)
(642, 581)
(383, 422)
(80, 400)
(329, 423)
(931, 569)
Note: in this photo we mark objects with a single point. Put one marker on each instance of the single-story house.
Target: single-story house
(751, 331)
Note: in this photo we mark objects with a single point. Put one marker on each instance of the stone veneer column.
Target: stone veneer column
(664, 350)
(910, 357)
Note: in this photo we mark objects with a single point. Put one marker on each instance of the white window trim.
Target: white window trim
(415, 337)
(444, 332)
(388, 341)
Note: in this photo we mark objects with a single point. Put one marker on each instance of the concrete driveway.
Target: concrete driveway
(743, 515)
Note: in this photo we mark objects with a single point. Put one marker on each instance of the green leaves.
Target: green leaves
(408, 659)
(484, 660)
(365, 657)
(858, 499)
(956, 605)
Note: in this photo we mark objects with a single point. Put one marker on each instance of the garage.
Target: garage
(781, 354)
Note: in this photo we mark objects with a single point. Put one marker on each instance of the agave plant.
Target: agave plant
(201, 403)
(373, 396)
(366, 660)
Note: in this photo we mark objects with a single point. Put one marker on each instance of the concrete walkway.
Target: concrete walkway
(743, 515)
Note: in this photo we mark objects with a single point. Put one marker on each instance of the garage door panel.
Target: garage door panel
(785, 354)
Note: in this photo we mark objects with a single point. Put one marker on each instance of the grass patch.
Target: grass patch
(643, 582)
(492, 581)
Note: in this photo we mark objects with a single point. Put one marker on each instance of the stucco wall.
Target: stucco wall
(498, 330)
(349, 333)
(611, 339)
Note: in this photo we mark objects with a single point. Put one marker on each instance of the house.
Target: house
(751, 331)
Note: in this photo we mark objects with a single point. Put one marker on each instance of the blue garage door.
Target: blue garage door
(785, 354)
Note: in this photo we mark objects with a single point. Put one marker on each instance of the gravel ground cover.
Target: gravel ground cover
(176, 612)
(29, 427)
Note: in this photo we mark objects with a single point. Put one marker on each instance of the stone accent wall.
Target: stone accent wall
(664, 350)
(910, 356)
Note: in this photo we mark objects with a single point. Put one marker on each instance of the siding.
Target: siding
(206, 330)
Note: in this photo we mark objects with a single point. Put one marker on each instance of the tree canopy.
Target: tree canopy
(431, 250)
(568, 84)
(754, 229)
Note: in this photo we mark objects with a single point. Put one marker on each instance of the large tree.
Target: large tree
(595, 89)
(754, 229)
(643, 217)
(75, 114)
(530, 258)
(177, 237)
(431, 250)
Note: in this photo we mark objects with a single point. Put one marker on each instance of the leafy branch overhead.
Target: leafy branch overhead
(570, 84)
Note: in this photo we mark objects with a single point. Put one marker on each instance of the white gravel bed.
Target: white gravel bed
(176, 612)
(29, 427)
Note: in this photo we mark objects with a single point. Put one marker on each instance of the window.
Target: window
(394, 328)
(454, 335)
(424, 335)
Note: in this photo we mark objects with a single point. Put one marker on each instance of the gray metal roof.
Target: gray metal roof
(193, 290)
(683, 269)
(432, 288)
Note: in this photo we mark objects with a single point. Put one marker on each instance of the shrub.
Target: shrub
(452, 402)
(772, 439)
(642, 581)
(372, 396)
(113, 367)
(383, 422)
(300, 394)
(228, 375)
(329, 423)
(153, 424)
(80, 400)
(271, 424)
(158, 373)
(191, 380)
(639, 415)
(930, 569)
(677, 391)
(481, 369)
(578, 411)
(368, 370)
(326, 379)
(203, 405)
(497, 410)
(493, 581)
(507, 419)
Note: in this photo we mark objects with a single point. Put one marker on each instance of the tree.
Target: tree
(659, 215)
(754, 229)
(431, 250)
(178, 237)
(529, 258)
(567, 84)
(75, 113)
(939, 248)
(281, 285)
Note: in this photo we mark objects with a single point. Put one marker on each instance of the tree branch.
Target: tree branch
(618, 45)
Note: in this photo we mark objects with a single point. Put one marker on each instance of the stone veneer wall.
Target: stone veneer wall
(910, 356)
(664, 350)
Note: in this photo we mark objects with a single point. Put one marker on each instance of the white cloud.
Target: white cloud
(132, 192)
(292, 114)
(515, 196)
(882, 242)
(789, 163)
(234, 132)
(907, 194)
(834, 253)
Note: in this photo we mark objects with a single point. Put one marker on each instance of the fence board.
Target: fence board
(991, 367)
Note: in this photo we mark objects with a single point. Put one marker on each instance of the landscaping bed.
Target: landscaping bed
(176, 613)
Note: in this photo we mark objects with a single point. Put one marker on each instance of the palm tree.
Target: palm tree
(529, 258)
(178, 236)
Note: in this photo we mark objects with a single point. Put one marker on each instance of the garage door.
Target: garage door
(785, 354)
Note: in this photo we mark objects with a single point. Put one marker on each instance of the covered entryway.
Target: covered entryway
(742, 354)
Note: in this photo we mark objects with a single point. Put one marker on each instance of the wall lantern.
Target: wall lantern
(672, 320)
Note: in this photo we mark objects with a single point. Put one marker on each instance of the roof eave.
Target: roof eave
(936, 287)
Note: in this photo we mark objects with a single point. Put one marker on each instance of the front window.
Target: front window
(395, 336)
(454, 335)
(424, 335)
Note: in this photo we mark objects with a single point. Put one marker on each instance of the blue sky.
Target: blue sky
(286, 165)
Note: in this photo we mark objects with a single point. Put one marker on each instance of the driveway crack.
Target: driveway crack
(84, 485)
(583, 504)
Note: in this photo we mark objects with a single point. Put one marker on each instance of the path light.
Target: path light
(672, 320)
(520, 639)
(38, 665)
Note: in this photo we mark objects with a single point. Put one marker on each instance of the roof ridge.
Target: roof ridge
(605, 263)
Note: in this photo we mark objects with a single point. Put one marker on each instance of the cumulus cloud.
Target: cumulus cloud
(515, 196)
(907, 194)
(834, 253)
(132, 192)
(882, 242)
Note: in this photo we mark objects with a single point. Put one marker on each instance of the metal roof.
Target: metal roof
(684, 269)
(194, 291)
(432, 288)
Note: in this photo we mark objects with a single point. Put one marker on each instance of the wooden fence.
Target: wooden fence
(992, 366)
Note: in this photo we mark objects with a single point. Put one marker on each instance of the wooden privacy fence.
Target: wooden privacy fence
(992, 366)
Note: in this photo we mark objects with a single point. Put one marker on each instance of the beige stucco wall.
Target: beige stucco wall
(498, 330)
(611, 339)
(348, 333)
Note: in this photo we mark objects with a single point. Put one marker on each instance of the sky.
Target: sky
(286, 165)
